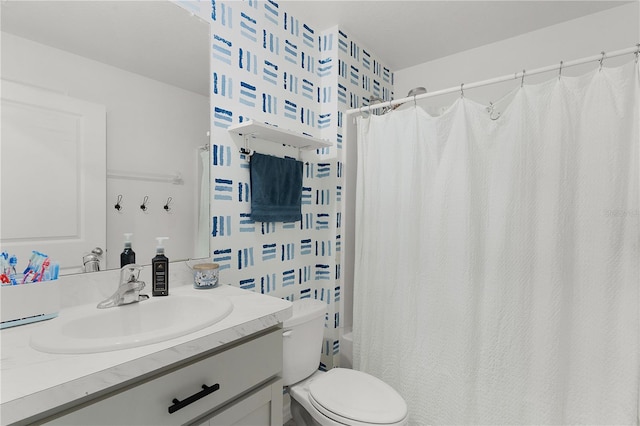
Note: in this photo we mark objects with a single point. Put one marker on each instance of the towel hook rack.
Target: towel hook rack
(143, 206)
(167, 206)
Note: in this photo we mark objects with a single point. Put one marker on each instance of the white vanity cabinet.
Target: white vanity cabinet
(236, 385)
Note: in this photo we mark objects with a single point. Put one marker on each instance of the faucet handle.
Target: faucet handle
(128, 289)
(130, 273)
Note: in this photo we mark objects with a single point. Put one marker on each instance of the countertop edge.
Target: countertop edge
(47, 402)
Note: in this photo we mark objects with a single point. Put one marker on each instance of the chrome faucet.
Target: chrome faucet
(91, 261)
(128, 290)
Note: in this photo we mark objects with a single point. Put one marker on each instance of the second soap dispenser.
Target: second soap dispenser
(160, 271)
(127, 256)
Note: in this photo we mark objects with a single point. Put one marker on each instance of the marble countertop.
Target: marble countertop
(34, 383)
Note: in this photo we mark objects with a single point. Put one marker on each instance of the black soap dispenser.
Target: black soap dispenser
(160, 271)
(128, 256)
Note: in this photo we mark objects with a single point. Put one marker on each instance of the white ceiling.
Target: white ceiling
(156, 39)
(164, 42)
(406, 33)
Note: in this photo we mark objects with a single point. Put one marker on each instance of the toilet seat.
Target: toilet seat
(355, 398)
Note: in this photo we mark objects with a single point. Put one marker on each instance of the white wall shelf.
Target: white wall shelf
(267, 132)
(175, 179)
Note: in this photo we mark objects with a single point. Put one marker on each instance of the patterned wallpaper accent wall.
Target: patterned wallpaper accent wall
(270, 67)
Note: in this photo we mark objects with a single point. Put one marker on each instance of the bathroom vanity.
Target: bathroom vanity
(226, 373)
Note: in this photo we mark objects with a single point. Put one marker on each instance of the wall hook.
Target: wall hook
(167, 207)
(118, 206)
(143, 206)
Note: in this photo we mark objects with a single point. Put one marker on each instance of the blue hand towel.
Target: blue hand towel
(276, 189)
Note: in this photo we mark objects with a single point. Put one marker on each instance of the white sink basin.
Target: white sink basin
(87, 329)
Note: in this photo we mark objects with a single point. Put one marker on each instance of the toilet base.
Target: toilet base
(301, 417)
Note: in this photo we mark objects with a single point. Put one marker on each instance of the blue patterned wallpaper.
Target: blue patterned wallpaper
(269, 66)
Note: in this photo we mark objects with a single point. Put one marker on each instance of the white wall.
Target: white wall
(300, 78)
(610, 30)
(151, 128)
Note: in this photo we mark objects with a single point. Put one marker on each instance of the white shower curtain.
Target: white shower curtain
(496, 276)
(202, 244)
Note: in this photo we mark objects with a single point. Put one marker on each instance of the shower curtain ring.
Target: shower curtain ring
(522, 81)
(637, 52)
(560, 72)
(491, 109)
(601, 60)
(462, 90)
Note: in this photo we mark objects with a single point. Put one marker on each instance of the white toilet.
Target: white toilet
(339, 396)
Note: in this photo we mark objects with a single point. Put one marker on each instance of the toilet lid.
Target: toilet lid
(357, 396)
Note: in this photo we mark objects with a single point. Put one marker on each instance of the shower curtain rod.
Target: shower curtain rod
(601, 57)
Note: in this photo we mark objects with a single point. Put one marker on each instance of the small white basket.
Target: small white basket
(30, 302)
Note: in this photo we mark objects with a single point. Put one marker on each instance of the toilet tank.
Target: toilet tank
(302, 340)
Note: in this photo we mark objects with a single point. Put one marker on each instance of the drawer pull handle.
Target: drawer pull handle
(206, 390)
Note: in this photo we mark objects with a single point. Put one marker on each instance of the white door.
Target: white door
(52, 175)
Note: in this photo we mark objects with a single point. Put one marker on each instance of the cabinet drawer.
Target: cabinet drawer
(261, 407)
(232, 371)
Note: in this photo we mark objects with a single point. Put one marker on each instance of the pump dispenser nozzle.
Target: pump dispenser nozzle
(160, 247)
